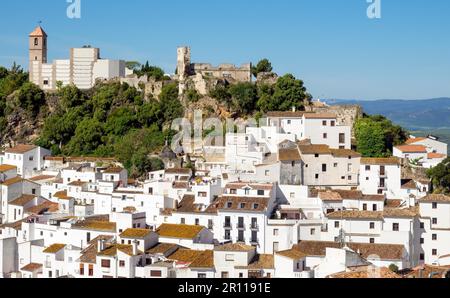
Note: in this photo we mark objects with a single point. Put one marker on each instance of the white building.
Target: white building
(82, 69)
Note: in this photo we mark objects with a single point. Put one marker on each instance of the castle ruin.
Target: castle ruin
(203, 75)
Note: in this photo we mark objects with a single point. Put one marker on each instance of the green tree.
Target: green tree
(30, 97)
(440, 177)
(287, 93)
(244, 97)
(120, 121)
(170, 106)
(70, 96)
(87, 138)
(376, 136)
(263, 65)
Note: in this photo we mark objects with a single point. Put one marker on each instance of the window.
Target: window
(229, 204)
(435, 205)
(372, 240)
(201, 275)
(374, 207)
(317, 176)
(325, 136)
(434, 252)
(395, 227)
(260, 192)
(81, 269)
(372, 225)
(197, 221)
(241, 236)
(333, 123)
(336, 224)
(275, 232)
(36, 41)
(324, 167)
(88, 237)
(422, 257)
(435, 221)
(155, 273)
(224, 275)
(342, 138)
(91, 270)
(255, 206)
(106, 264)
(275, 247)
(434, 237)
(241, 275)
(335, 165)
(247, 191)
(183, 221)
(367, 168)
(267, 173)
(316, 155)
(233, 191)
(364, 207)
(313, 232)
(229, 258)
(121, 263)
(422, 241)
(324, 123)
(202, 194)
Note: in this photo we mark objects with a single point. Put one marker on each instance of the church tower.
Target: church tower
(37, 54)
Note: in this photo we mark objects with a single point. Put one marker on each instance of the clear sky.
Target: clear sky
(331, 44)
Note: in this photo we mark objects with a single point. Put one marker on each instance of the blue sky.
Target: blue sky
(331, 44)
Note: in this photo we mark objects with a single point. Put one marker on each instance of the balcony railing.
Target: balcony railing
(254, 241)
(240, 226)
(254, 227)
(382, 186)
(382, 173)
(227, 225)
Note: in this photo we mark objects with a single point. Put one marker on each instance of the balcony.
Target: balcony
(227, 226)
(240, 226)
(254, 241)
(254, 227)
(382, 174)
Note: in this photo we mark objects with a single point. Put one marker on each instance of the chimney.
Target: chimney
(294, 109)
(100, 245)
(135, 248)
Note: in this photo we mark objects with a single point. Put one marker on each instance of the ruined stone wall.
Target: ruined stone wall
(346, 114)
(224, 71)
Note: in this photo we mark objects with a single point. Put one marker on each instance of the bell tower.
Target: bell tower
(37, 53)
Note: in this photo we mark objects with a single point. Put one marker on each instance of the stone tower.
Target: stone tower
(37, 53)
(183, 62)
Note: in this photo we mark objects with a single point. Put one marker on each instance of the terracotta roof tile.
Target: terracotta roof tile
(356, 214)
(38, 32)
(260, 261)
(293, 254)
(22, 200)
(414, 140)
(380, 161)
(20, 149)
(54, 248)
(135, 233)
(234, 247)
(204, 260)
(162, 248)
(366, 273)
(435, 198)
(5, 168)
(384, 251)
(95, 225)
(412, 148)
(32, 267)
(179, 231)
(289, 155)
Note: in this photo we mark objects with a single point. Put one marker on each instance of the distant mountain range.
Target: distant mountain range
(428, 114)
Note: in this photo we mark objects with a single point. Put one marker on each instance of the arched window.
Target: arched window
(36, 41)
